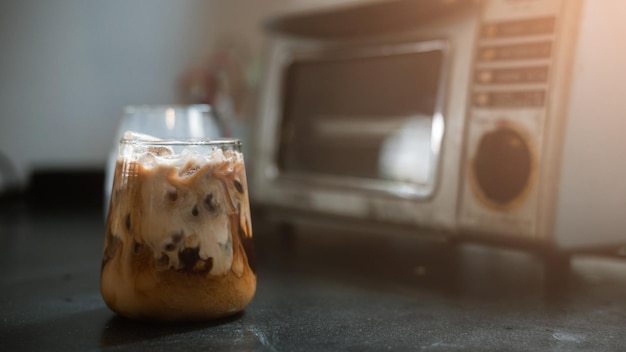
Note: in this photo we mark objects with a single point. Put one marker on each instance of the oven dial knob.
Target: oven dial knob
(502, 167)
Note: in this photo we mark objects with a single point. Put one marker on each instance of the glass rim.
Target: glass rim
(182, 142)
(131, 109)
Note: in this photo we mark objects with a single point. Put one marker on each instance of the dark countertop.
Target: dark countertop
(318, 290)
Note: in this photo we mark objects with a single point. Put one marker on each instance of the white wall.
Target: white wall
(68, 66)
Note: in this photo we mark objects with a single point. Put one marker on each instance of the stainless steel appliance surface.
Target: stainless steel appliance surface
(496, 120)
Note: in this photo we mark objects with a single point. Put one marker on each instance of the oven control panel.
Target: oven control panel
(506, 116)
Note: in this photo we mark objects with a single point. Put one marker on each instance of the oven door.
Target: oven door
(364, 117)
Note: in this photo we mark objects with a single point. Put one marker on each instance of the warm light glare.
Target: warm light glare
(437, 133)
(406, 154)
(170, 119)
(196, 126)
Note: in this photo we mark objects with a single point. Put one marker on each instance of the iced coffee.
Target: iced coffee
(178, 242)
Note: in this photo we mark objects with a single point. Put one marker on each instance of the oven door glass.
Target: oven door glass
(368, 117)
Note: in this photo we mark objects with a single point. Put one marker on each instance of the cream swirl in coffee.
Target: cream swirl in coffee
(179, 239)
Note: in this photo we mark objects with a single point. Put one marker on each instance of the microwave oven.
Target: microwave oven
(492, 120)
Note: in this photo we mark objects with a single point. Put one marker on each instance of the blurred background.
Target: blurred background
(68, 67)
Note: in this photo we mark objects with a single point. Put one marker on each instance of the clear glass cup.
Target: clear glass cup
(165, 122)
(178, 242)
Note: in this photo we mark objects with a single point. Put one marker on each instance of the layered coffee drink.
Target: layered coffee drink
(178, 242)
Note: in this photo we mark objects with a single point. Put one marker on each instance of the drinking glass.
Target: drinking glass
(178, 242)
(165, 122)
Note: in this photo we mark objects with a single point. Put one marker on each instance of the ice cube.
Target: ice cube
(161, 151)
(185, 155)
(216, 155)
(156, 151)
(147, 160)
(189, 169)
